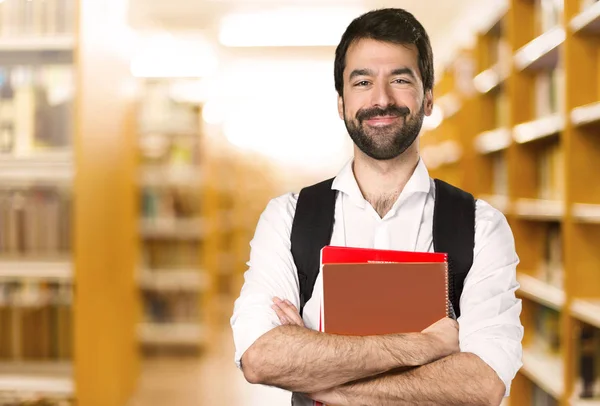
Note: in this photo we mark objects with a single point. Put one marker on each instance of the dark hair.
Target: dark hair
(390, 25)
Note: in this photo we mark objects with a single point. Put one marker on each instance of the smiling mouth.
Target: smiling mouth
(382, 120)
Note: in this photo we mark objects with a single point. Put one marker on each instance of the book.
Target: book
(36, 320)
(372, 292)
(35, 222)
(36, 18)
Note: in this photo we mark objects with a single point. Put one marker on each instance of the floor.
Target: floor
(211, 379)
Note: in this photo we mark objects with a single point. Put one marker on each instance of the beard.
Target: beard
(386, 142)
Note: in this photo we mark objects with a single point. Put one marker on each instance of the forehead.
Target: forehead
(373, 54)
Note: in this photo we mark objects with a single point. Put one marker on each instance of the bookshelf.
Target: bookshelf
(45, 271)
(29, 382)
(175, 222)
(66, 205)
(53, 43)
(545, 371)
(533, 151)
(36, 174)
(541, 292)
(237, 194)
(54, 167)
(442, 148)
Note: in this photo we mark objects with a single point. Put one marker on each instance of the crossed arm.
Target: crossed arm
(339, 370)
(459, 379)
(365, 370)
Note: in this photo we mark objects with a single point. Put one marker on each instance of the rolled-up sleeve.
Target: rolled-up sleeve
(271, 272)
(490, 325)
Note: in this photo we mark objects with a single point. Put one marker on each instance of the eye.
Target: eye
(401, 81)
(362, 83)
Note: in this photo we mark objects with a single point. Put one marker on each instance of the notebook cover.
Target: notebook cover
(349, 255)
(383, 298)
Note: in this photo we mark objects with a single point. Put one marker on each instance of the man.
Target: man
(384, 79)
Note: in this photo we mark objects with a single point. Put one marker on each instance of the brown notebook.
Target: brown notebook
(383, 298)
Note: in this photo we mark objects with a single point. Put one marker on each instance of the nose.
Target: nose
(381, 95)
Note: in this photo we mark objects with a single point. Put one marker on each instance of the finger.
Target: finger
(291, 305)
(452, 322)
(281, 314)
(289, 310)
(292, 313)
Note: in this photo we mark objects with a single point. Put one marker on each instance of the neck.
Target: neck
(381, 182)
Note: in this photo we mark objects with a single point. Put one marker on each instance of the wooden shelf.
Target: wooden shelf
(450, 104)
(539, 129)
(588, 114)
(541, 292)
(181, 229)
(185, 334)
(18, 270)
(38, 379)
(54, 167)
(185, 175)
(586, 213)
(493, 141)
(150, 130)
(499, 202)
(586, 310)
(178, 280)
(491, 19)
(542, 52)
(585, 402)
(545, 370)
(488, 80)
(588, 21)
(543, 210)
(41, 44)
(444, 153)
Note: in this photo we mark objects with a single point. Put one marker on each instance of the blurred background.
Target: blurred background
(141, 140)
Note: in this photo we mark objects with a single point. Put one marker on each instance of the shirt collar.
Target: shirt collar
(345, 182)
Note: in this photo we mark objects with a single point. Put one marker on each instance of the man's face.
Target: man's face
(383, 103)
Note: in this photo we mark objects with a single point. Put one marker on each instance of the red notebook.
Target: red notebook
(348, 255)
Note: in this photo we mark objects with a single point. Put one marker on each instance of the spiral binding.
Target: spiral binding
(449, 286)
(447, 290)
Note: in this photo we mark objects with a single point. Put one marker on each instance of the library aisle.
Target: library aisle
(134, 166)
(212, 379)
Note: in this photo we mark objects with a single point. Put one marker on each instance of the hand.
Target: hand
(444, 334)
(288, 313)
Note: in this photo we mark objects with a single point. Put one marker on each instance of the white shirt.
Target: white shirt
(489, 325)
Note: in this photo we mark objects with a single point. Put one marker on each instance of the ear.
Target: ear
(428, 102)
(341, 107)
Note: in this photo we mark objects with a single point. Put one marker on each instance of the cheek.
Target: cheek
(410, 98)
(350, 108)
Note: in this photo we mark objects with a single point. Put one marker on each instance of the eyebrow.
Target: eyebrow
(404, 71)
(361, 72)
(369, 72)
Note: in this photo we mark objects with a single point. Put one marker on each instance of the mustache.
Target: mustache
(397, 111)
